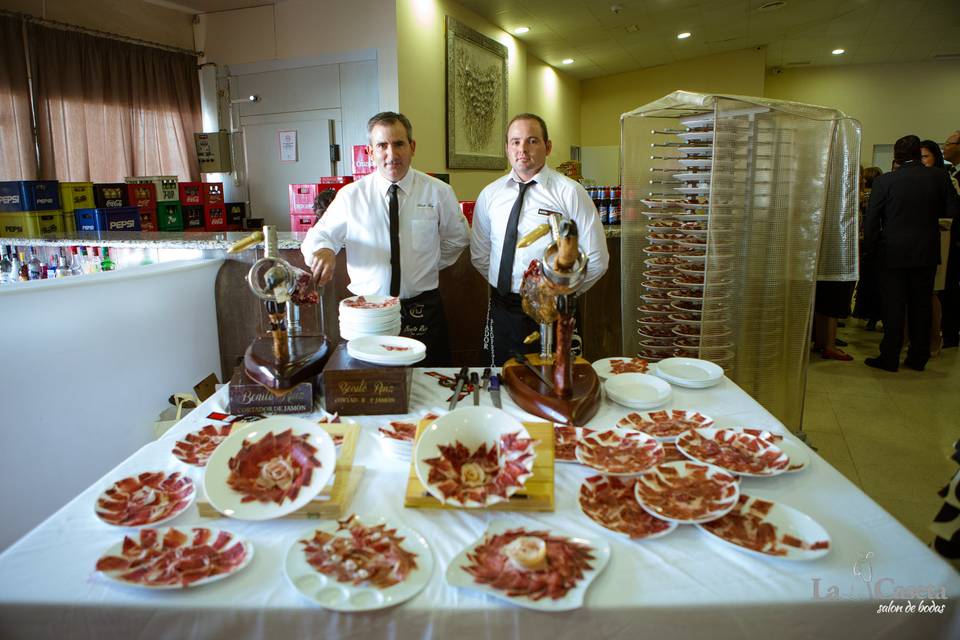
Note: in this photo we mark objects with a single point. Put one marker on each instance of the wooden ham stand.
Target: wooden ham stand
(546, 292)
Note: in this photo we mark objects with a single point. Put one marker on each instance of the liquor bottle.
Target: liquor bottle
(95, 262)
(63, 270)
(76, 264)
(6, 268)
(85, 261)
(34, 267)
(604, 209)
(615, 207)
(24, 270)
(107, 264)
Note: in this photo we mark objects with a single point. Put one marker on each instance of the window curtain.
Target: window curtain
(108, 109)
(18, 157)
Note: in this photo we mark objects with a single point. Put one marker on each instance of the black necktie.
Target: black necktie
(505, 275)
(394, 242)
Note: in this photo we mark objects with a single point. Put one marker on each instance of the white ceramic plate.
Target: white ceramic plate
(656, 492)
(327, 592)
(147, 499)
(573, 599)
(771, 460)
(386, 349)
(472, 427)
(229, 502)
(637, 452)
(350, 334)
(690, 372)
(624, 496)
(192, 535)
(604, 370)
(814, 541)
(637, 390)
(695, 162)
(392, 307)
(667, 424)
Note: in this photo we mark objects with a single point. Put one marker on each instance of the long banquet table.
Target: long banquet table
(683, 584)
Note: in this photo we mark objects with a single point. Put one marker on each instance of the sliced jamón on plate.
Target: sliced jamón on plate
(665, 425)
(734, 450)
(611, 503)
(196, 447)
(175, 558)
(687, 492)
(149, 498)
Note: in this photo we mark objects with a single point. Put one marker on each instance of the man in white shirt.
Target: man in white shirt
(509, 208)
(400, 228)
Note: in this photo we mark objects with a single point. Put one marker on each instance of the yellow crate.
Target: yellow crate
(76, 195)
(30, 224)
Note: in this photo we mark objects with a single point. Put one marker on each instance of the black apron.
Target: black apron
(422, 319)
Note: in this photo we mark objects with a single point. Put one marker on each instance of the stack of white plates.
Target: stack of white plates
(391, 351)
(690, 372)
(638, 390)
(369, 316)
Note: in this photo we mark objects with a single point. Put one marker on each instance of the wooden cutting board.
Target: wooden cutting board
(537, 494)
(335, 498)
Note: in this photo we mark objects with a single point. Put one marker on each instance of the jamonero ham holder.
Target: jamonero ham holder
(288, 355)
(554, 384)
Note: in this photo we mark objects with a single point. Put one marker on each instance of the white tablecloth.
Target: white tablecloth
(685, 583)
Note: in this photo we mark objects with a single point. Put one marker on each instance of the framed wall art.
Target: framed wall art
(476, 99)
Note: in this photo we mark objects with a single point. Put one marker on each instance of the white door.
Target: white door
(271, 168)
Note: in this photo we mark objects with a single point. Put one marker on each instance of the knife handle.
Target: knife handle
(494, 382)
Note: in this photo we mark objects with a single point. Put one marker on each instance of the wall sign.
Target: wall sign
(288, 145)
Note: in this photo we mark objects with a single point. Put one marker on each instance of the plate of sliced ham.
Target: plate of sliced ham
(196, 447)
(611, 503)
(770, 529)
(737, 451)
(542, 569)
(149, 498)
(622, 364)
(687, 492)
(173, 558)
(565, 441)
(474, 457)
(269, 468)
(619, 452)
(359, 564)
(665, 425)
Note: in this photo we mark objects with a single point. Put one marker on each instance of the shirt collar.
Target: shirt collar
(541, 178)
(405, 183)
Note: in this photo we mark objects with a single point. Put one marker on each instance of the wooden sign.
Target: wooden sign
(353, 387)
(248, 397)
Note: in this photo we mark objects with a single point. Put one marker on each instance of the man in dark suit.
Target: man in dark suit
(950, 296)
(901, 231)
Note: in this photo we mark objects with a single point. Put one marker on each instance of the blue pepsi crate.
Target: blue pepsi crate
(30, 195)
(108, 219)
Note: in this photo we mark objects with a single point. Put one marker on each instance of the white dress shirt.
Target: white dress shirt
(553, 192)
(433, 232)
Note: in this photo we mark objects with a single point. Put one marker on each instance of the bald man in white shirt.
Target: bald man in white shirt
(512, 206)
(400, 227)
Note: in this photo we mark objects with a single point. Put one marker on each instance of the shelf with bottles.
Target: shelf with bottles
(31, 263)
(607, 201)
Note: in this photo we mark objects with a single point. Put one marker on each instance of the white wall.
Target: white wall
(88, 363)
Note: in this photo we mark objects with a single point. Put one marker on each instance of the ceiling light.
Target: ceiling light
(838, 52)
(684, 35)
(521, 30)
(567, 61)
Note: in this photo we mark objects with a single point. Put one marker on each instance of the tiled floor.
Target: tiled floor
(889, 433)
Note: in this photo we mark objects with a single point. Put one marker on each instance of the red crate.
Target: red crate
(191, 193)
(142, 195)
(335, 182)
(148, 218)
(212, 193)
(302, 221)
(467, 207)
(214, 217)
(301, 198)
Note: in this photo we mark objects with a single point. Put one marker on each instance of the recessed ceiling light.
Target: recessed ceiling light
(838, 52)
(521, 30)
(567, 61)
(684, 35)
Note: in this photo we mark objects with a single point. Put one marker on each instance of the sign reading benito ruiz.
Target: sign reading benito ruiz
(353, 387)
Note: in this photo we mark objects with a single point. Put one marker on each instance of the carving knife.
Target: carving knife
(495, 390)
(522, 359)
(475, 381)
(485, 379)
(461, 380)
